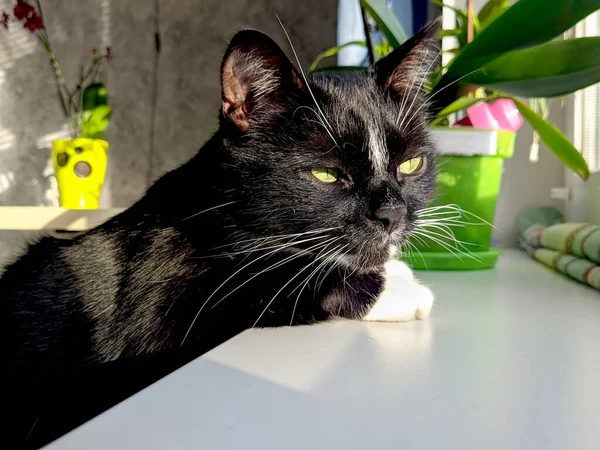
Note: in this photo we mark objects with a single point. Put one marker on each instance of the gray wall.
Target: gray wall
(194, 35)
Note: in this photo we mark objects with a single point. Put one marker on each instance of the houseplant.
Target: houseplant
(80, 162)
(498, 58)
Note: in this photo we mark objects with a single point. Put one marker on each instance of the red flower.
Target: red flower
(109, 54)
(23, 10)
(94, 51)
(4, 20)
(27, 14)
(34, 23)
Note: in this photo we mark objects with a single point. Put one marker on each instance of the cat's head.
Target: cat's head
(344, 157)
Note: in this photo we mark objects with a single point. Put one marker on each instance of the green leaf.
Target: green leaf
(94, 95)
(454, 32)
(95, 126)
(525, 24)
(462, 103)
(543, 102)
(491, 8)
(441, 4)
(332, 52)
(453, 51)
(556, 142)
(547, 70)
(495, 14)
(382, 50)
(434, 79)
(386, 21)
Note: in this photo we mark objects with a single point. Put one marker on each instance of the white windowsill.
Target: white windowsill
(508, 360)
(30, 218)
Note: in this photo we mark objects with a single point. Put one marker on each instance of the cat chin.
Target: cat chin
(362, 266)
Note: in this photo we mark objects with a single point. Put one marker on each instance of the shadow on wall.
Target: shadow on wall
(29, 176)
(23, 174)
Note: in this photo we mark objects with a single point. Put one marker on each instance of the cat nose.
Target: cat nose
(390, 216)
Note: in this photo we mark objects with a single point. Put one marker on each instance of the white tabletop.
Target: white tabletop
(510, 359)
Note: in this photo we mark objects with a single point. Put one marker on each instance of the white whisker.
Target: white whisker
(417, 92)
(331, 259)
(454, 82)
(209, 209)
(330, 129)
(419, 240)
(428, 102)
(409, 90)
(443, 244)
(305, 281)
(277, 237)
(229, 278)
(449, 234)
(258, 248)
(276, 265)
(438, 238)
(413, 247)
(279, 291)
(451, 208)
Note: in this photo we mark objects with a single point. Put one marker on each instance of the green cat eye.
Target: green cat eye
(325, 175)
(411, 166)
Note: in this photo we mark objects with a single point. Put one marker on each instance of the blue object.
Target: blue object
(420, 14)
(404, 11)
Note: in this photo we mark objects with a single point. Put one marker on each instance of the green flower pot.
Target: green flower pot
(472, 182)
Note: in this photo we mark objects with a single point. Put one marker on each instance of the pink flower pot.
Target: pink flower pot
(507, 114)
(499, 114)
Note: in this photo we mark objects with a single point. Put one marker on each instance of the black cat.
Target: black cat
(288, 215)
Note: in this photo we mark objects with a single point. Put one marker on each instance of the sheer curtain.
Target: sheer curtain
(583, 122)
(588, 103)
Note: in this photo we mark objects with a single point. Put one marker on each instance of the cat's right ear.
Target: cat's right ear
(256, 79)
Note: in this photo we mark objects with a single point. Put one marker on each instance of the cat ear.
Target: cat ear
(256, 79)
(411, 64)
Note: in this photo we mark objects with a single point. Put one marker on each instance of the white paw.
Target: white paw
(395, 268)
(402, 299)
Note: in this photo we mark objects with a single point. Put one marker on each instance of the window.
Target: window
(587, 105)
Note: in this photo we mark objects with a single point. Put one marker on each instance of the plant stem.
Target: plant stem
(470, 21)
(84, 77)
(96, 71)
(78, 94)
(60, 85)
(470, 28)
(57, 71)
(60, 79)
(368, 37)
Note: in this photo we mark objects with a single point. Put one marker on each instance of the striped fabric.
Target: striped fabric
(571, 248)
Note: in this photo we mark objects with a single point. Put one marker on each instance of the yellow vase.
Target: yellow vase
(80, 168)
